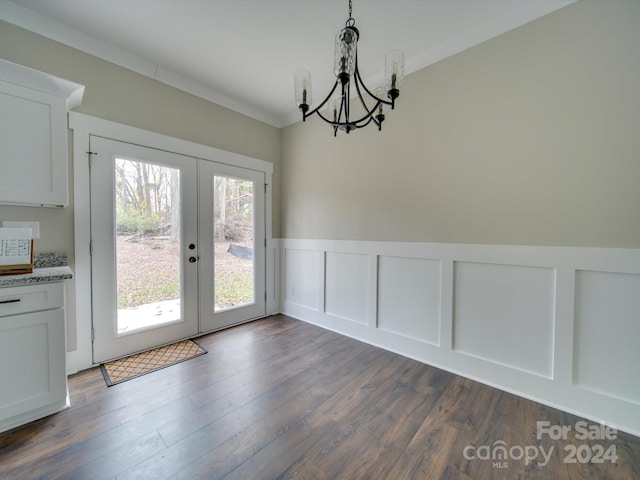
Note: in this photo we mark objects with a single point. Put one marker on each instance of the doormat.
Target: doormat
(124, 369)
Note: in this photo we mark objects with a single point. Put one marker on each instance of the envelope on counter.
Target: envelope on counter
(16, 251)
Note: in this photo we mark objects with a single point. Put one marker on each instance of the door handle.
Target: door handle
(193, 259)
(16, 300)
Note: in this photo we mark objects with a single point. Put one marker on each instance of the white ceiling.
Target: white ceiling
(242, 53)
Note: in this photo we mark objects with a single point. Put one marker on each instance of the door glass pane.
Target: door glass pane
(147, 204)
(233, 242)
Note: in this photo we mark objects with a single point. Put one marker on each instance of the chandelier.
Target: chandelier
(335, 109)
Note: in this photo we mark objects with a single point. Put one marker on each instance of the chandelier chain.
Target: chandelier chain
(350, 21)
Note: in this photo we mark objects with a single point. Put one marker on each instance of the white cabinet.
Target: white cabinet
(33, 135)
(33, 378)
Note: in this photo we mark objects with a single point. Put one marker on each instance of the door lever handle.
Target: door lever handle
(15, 300)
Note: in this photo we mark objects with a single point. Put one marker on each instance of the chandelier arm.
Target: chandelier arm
(367, 117)
(364, 103)
(332, 122)
(346, 97)
(337, 122)
(370, 111)
(322, 104)
(358, 80)
(371, 119)
(341, 111)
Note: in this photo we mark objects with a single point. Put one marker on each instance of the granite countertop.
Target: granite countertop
(48, 267)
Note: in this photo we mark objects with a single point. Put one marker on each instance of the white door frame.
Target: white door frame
(85, 125)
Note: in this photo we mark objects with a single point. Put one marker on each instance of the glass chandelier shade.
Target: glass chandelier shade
(345, 54)
(394, 70)
(302, 84)
(335, 109)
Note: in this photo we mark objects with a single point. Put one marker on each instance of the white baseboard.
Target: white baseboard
(558, 325)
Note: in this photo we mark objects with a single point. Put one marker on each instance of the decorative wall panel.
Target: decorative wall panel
(346, 283)
(409, 297)
(607, 333)
(505, 314)
(302, 277)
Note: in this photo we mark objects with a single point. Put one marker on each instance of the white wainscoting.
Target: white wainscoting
(346, 286)
(558, 325)
(505, 314)
(411, 286)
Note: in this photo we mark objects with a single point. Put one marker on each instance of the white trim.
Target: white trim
(81, 358)
(180, 82)
(272, 253)
(49, 28)
(25, 18)
(492, 27)
(125, 133)
(43, 82)
(541, 364)
(83, 126)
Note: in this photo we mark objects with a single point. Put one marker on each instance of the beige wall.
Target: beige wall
(531, 138)
(117, 94)
(120, 95)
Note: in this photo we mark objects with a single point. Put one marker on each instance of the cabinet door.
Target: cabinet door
(32, 363)
(33, 147)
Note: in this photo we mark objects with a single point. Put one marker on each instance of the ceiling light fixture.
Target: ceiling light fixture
(347, 74)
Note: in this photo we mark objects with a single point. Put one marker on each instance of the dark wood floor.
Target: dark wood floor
(280, 399)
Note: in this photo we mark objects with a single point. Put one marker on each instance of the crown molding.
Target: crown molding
(53, 30)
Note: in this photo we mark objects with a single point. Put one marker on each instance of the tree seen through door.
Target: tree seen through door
(148, 253)
(233, 234)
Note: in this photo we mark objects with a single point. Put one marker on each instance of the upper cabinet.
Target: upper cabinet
(33, 136)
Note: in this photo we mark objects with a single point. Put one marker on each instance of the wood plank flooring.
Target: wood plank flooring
(282, 399)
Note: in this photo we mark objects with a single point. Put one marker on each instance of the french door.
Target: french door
(177, 247)
(232, 245)
(143, 235)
